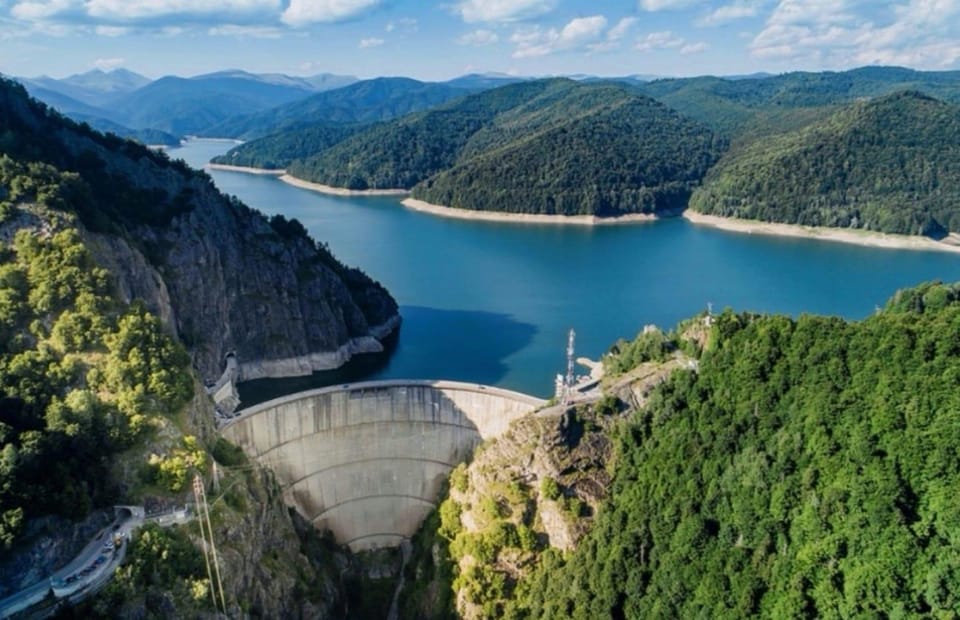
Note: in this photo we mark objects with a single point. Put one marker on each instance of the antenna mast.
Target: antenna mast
(570, 378)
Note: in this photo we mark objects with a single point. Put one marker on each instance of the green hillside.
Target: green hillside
(276, 151)
(628, 155)
(808, 469)
(890, 164)
(406, 151)
(547, 146)
(733, 106)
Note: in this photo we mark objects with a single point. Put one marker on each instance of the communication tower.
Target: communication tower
(570, 378)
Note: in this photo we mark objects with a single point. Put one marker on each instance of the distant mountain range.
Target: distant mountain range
(135, 106)
(577, 146)
(361, 102)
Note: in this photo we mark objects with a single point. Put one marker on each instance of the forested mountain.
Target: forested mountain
(183, 106)
(96, 88)
(484, 81)
(125, 278)
(732, 105)
(163, 207)
(546, 146)
(63, 103)
(368, 101)
(315, 83)
(150, 137)
(275, 152)
(802, 468)
(891, 164)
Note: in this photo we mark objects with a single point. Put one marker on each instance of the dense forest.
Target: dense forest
(631, 155)
(546, 146)
(807, 468)
(277, 151)
(734, 106)
(891, 164)
(81, 375)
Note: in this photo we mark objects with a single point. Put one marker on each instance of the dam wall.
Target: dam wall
(367, 460)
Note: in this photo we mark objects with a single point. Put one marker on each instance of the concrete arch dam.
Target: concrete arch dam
(367, 460)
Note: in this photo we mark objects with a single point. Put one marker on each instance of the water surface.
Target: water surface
(492, 302)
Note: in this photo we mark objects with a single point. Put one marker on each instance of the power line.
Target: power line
(197, 491)
(201, 495)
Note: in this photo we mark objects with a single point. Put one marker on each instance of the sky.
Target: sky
(441, 39)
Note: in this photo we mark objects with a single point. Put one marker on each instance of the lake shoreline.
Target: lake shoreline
(339, 191)
(863, 238)
(246, 169)
(525, 218)
(837, 235)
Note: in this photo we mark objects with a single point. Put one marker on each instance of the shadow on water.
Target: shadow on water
(457, 345)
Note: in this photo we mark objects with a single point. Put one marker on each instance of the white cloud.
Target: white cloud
(251, 32)
(614, 36)
(666, 5)
(621, 29)
(41, 9)
(112, 31)
(302, 12)
(479, 38)
(404, 24)
(132, 10)
(502, 10)
(693, 48)
(659, 41)
(843, 33)
(108, 64)
(371, 42)
(578, 33)
(740, 9)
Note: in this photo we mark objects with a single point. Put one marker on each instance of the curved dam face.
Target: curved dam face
(367, 460)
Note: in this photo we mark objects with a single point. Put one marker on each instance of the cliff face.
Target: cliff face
(229, 282)
(531, 491)
(223, 277)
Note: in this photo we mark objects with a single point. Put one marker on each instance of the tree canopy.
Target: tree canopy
(890, 165)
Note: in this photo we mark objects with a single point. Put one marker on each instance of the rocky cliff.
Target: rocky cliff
(223, 276)
(531, 490)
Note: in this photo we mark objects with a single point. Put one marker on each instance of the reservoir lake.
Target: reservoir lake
(492, 303)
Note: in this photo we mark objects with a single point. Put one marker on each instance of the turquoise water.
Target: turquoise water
(492, 303)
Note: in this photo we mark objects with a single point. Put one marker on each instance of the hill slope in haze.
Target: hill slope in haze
(96, 88)
(189, 106)
(889, 165)
(546, 146)
(368, 101)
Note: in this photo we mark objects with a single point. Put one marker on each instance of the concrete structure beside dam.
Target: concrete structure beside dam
(367, 460)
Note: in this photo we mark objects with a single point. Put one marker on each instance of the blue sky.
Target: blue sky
(439, 39)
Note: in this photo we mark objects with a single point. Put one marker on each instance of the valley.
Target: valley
(523, 310)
